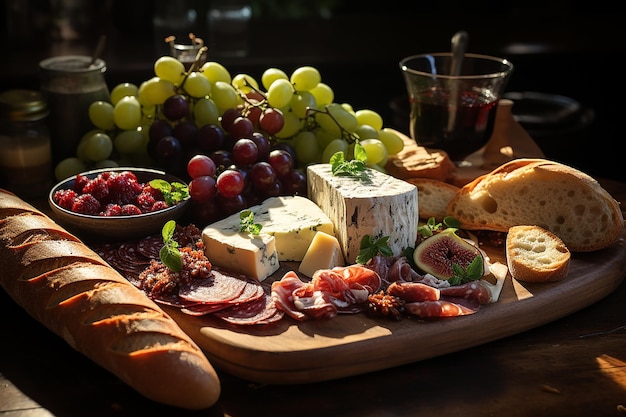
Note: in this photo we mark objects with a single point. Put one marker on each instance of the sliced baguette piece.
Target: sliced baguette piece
(557, 197)
(72, 291)
(534, 254)
(433, 197)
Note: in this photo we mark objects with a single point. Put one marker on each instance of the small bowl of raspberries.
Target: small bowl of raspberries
(118, 203)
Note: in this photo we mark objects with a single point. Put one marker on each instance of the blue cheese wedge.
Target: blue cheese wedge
(293, 221)
(380, 205)
(228, 248)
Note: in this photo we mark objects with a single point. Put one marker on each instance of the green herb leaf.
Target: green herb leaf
(352, 168)
(169, 253)
(473, 272)
(247, 224)
(173, 193)
(370, 248)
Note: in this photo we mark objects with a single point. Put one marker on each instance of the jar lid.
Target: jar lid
(22, 105)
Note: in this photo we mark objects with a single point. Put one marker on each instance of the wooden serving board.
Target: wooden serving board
(293, 353)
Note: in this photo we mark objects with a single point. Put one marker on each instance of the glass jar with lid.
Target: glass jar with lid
(25, 151)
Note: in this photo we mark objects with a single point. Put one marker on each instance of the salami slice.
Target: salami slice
(150, 246)
(128, 254)
(201, 309)
(218, 288)
(251, 292)
(253, 312)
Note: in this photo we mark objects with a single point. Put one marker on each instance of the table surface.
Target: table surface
(575, 366)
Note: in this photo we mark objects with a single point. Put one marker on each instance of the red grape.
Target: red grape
(230, 183)
(231, 205)
(262, 175)
(202, 188)
(281, 161)
(245, 152)
(294, 183)
(242, 127)
(186, 132)
(201, 165)
(228, 117)
(262, 144)
(210, 137)
(168, 149)
(272, 120)
(205, 212)
(176, 107)
(222, 158)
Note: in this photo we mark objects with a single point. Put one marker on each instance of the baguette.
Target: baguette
(534, 254)
(433, 197)
(72, 291)
(539, 192)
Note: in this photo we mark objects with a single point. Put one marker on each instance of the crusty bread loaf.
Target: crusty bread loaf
(418, 162)
(76, 294)
(539, 192)
(433, 197)
(534, 254)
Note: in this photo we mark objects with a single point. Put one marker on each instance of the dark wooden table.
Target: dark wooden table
(575, 366)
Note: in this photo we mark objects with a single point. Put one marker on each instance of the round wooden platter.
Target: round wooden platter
(290, 352)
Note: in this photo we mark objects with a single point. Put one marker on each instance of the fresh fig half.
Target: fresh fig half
(438, 253)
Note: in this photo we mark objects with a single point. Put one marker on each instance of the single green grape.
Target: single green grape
(69, 167)
(214, 71)
(205, 112)
(393, 142)
(375, 150)
(224, 96)
(155, 91)
(98, 147)
(170, 69)
(336, 145)
(323, 94)
(301, 101)
(127, 113)
(279, 94)
(123, 90)
(305, 78)
(292, 125)
(307, 147)
(369, 117)
(336, 119)
(365, 131)
(197, 85)
(270, 75)
(323, 137)
(129, 141)
(101, 115)
(245, 83)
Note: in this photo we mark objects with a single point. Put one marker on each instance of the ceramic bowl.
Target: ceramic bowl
(115, 228)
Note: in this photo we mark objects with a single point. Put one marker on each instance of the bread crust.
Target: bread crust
(73, 292)
(535, 254)
(433, 197)
(557, 197)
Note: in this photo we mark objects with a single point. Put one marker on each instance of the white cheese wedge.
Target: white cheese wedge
(323, 253)
(379, 206)
(251, 255)
(293, 221)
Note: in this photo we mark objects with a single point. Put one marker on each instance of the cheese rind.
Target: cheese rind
(293, 221)
(251, 255)
(323, 253)
(380, 205)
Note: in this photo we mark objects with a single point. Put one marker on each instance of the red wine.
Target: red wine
(471, 129)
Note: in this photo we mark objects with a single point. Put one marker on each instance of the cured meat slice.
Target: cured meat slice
(282, 294)
(128, 254)
(439, 308)
(174, 301)
(413, 291)
(252, 291)
(201, 309)
(471, 290)
(218, 288)
(150, 246)
(253, 312)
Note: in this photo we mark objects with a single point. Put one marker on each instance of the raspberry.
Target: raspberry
(159, 205)
(155, 193)
(80, 182)
(65, 198)
(130, 210)
(112, 210)
(123, 187)
(145, 200)
(86, 204)
(98, 188)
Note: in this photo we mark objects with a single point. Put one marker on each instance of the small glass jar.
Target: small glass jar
(25, 151)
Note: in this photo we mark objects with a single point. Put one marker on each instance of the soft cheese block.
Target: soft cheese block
(377, 205)
(293, 221)
(228, 248)
(324, 253)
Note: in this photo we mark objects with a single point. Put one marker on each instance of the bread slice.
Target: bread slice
(433, 197)
(534, 254)
(539, 192)
(415, 161)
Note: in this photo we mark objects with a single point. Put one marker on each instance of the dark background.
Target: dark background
(566, 47)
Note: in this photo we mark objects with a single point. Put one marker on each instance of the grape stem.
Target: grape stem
(345, 134)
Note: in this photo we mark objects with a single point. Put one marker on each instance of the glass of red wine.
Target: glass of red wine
(456, 111)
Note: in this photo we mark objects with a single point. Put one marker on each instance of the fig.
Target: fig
(438, 253)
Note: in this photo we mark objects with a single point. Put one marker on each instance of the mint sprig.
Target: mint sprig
(173, 193)
(247, 224)
(169, 253)
(473, 272)
(354, 167)
(371, 247)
